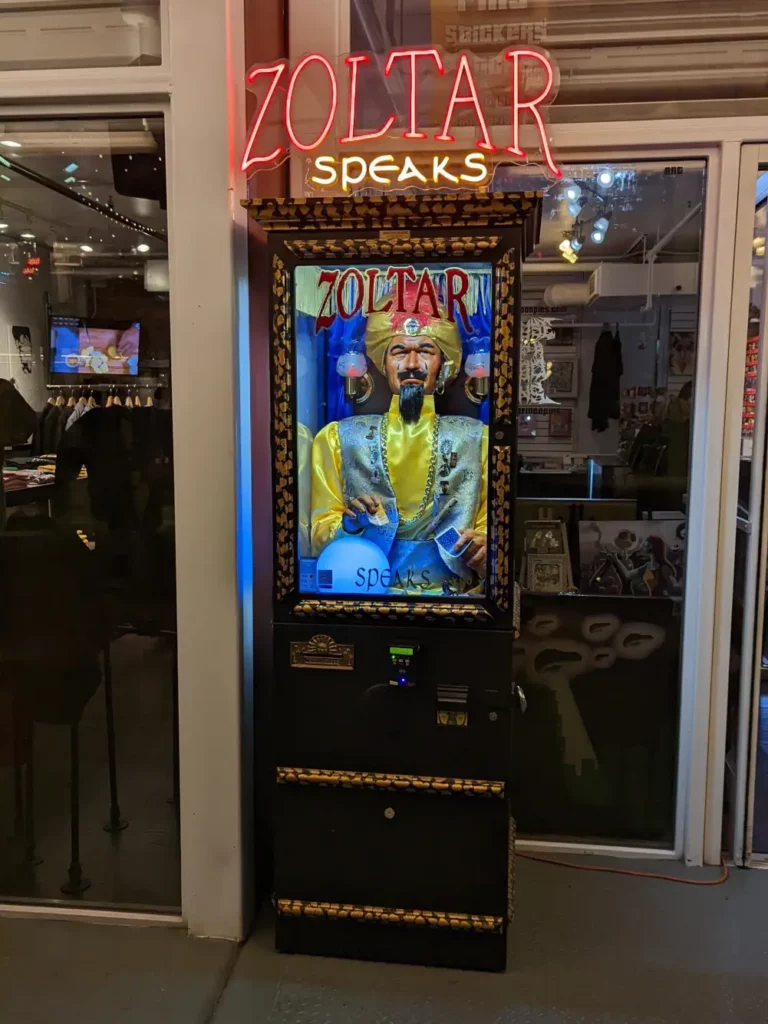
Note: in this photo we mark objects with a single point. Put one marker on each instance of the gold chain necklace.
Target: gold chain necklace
(384, 434)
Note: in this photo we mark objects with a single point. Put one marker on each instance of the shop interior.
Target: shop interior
(610, 318)
(756, 318)
(88, 682)
(749, 626)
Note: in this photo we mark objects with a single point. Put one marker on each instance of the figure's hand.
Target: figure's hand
(474, 556)
(366, 503)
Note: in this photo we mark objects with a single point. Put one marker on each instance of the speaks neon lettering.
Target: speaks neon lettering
(352, 171)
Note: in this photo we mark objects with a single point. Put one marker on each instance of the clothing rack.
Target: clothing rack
(83, 388)
(565, 325)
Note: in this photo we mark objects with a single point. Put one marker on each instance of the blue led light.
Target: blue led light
(71, 168)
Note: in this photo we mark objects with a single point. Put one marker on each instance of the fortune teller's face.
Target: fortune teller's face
(412, 367)
(413, 361)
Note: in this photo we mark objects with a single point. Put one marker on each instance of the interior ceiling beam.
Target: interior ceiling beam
(92, 204)
(80, 143)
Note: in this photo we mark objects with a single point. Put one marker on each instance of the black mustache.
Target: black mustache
(411, 375)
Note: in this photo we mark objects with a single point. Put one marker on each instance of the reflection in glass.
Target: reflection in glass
(80, 34)
(88, 769)
(610, 327)
(393, 370)
(746, 789)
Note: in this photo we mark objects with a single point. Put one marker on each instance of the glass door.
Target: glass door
(746, 782)
(610, 331)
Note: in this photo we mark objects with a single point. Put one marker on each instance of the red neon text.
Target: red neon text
(464, 93)
(532, 105)
(464, 70)
(413, 56)
(310, 59)
(353, 64)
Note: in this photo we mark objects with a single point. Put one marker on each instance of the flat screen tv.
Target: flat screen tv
(94, 348)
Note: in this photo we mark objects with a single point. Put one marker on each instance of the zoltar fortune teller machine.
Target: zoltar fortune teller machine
(394, 348)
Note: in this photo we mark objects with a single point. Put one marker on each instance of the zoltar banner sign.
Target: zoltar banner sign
(390, 122)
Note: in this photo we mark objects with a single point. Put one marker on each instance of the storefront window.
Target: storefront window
(746, 802)
(68, 34)
(88, 768)
(607, 370)
(631, 52)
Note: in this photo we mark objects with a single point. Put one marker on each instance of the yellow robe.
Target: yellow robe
(409, 446)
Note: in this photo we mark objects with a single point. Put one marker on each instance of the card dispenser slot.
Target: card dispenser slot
(452, 709)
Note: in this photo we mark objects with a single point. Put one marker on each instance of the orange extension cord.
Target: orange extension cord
(623, 871)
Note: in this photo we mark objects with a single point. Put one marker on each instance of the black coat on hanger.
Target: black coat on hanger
(607, 369)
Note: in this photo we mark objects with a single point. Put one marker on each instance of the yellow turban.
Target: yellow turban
(382, 328)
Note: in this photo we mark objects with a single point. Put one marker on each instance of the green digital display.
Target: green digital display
(407, 652)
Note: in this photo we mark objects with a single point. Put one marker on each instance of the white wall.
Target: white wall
(23, 304)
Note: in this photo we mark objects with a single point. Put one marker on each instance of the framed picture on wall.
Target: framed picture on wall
(682, 353)
(547, 574)
(22, 339)
(561, 423)
(563, 381)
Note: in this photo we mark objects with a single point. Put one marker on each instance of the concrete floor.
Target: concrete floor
(587, 948)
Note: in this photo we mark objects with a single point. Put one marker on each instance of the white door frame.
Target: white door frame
(753, 585)
(200, 90)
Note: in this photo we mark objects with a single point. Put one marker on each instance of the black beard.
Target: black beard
(411, 402)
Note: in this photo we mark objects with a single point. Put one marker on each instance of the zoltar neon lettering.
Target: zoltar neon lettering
(464, 92)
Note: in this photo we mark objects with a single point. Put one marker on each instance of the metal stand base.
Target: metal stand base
(115, 823)
(76, 884)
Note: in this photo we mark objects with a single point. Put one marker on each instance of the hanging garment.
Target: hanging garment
(37, 438)
(605, 389)
(77, 413)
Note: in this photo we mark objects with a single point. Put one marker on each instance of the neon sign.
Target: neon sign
(464, 94)
(349, 171)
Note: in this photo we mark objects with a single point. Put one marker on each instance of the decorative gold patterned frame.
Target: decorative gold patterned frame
(498, 228)
(390, 915)
(389, 782)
